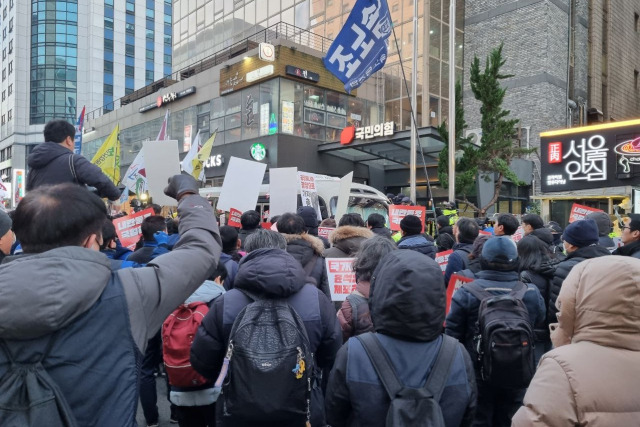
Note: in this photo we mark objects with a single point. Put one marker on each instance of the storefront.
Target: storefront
(596, 166)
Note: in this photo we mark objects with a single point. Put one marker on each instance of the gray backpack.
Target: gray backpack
(30, 397)
(416, 407)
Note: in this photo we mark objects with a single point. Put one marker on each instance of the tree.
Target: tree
(497, 147)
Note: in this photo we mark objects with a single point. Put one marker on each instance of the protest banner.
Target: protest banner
(161, 161)
(486, 233)
(442, 258)
(578, 212)
(283, 190)
(309, 191)
(397, 212)
(325, 231)
(234, 218)
(518, 235)
(455, 282)
(267, 225)
(128, 228)
(342, 278)
(241, 186)
(343, 196)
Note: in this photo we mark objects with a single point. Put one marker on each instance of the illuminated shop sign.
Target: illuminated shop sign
(302, 73)
(167, 98)
(591, 157)
(350, 133)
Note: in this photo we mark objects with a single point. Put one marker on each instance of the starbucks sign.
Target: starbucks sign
(258, 151)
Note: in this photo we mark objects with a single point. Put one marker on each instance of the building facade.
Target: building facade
(60, 56)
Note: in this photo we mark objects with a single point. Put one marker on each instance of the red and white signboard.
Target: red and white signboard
(325, 231)
(455, 282)
(486, 233)
(129, 227)
(342, 278)
(234, 218)
(442, 258)
(397, 212)
(518, 235)
(578, 212)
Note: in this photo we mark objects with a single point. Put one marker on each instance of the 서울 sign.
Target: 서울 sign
(302, 73)
(590, 157)
(350, 133)
(167, 98)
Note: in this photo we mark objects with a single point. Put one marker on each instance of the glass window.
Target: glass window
(218, 107)
(130, 50)
(131, 7)
(148, 75)
(108, 45)
(250, 112)
(151, 13)
(314, 98)
(336, 102)
(129, 71)
(269, 108)
(108, 66)
(149, 54)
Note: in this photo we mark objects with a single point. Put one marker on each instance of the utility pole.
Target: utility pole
(452, 100)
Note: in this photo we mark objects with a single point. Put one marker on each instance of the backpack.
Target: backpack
(30, 397)
(270, 366)
(360, 314)
(178, 331)
(416, 407)
(504, 337)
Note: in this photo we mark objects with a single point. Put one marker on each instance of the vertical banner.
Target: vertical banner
(309, 191)
(186, 144)
(264, 119)
(19, 183)
(342, 278)
(397, 212)
(77, 141)
(283, 190)
(343, 196)
(442, 258)
(288, 117)
(129, 228)
(578, 212)
(241, 186)
(161, 163)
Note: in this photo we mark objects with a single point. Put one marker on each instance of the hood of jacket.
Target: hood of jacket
(348, 238)
(271, 273)
(207, 292)
(598, 306)
(407, 296)
(543, 234)
(381, 231)
(42, 293)
(303, 247)
(418, 243)
(44, 153)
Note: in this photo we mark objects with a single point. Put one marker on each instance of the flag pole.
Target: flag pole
(452, 100)
(414, 106)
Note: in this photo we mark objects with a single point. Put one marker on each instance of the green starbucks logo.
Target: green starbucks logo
(258, 151)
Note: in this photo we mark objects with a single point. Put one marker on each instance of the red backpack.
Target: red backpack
(178, 331)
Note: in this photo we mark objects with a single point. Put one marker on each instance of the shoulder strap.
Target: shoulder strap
(45, 353)
(381, 363)
(477, 291)
(308, 268)
(72, 166)
(440, 370)
(519, 290)
(354, 301)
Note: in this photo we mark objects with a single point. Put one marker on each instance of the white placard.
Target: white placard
(343, 196)
(283, 190)
(341, 277)
(309, 191)
(162, 161)
(241, 187)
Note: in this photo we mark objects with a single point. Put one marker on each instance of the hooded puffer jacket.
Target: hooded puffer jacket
(591, 377)
(346, 240)
(418, 243)
(407, 307)
(308, 250)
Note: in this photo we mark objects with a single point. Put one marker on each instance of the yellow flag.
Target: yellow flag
(108, 156)
(202, 156)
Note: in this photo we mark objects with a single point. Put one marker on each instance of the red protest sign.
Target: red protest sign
(578, 212)
(397, 212)
(129, 229)
(518, 235)
(342, 278)
(266, 225)
(486, 233)
(455, 282)
(234, 218)
(325, 231)
(442, 258)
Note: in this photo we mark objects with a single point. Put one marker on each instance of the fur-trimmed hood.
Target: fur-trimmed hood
(314, 242)
(346, 241)
(347, 232)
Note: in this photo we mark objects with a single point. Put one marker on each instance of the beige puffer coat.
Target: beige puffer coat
(592, 377)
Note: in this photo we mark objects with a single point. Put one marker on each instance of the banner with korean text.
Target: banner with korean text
(129, 227)
(325, 231)
(342, 278)
(234, 218)
(442, 258)
(579, 212)
(309, 191)
(397, 212)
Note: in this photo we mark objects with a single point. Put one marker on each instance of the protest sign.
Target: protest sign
(518, 235)
(241, 186)
(309, 191)
(161, 162)
(578, 212)
(283, 190)
(129, 227)
(486, 233)
(342, 278)
(325, 231)
(234, 218)
(397, 212)
(442, 258)
(343, 196)
(455, 282)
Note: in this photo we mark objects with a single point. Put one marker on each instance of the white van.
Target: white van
(363, 199)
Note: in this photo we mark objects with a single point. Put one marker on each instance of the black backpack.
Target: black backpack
(270, 366)
(30, 397)
(415, 407)
(504, 337)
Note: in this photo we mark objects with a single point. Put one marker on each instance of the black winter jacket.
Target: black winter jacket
(51, 163)
(308, 249)
(418, 243)
(542, 277)
(381, 231)
(562, 271)
(445, 239)
(407, 303)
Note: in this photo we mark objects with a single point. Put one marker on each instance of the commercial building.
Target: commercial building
(58, 56)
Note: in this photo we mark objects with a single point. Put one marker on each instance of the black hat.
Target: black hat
(581, 233)
(411, 224)
(634, 224)
(309, 216)
(554, 227)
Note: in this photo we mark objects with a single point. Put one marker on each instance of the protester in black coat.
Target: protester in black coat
(377, 224)
(445, 239)
(311, 222)
(414, 239)
(53, 162)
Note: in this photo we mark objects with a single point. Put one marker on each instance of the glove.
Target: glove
(161, 237)
(180, 185)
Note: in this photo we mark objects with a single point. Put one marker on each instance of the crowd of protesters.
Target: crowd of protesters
(269, 348)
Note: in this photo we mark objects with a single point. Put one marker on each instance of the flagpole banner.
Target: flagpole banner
(203, 155)
(135, 179)
(108, 156)
(163, 135)
(77, 148)
(129, 228)
(241, 186)
(341, 277)
(309, 191)
(283, 190)
(161, 163)
(343, 196)
(360, 49)
(191, 154)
